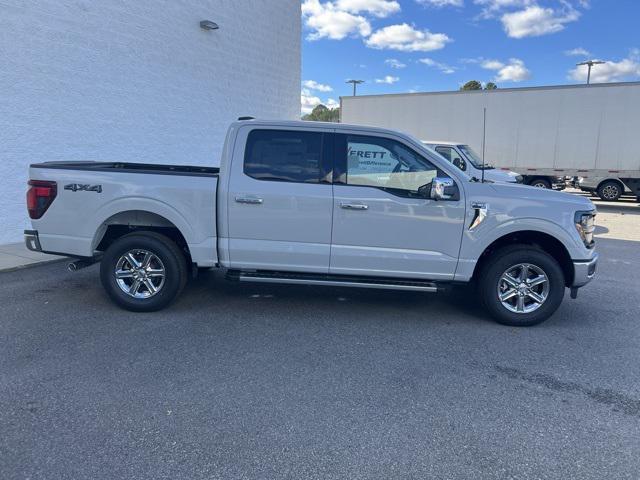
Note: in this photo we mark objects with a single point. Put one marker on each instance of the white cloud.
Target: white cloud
(308, 101)
(492, 64)
(577, 52)
(514, 71)
(325, 20)
(394, 63)
(625, 69)
(442, 3)
(342, 18)
(377, 8)
(313, 85)
(405, 38)
(535, 21)
(387, 79)
(443, 67)
(332, 103)
(492, 8)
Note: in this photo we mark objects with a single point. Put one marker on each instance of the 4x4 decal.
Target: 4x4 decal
(79, 187)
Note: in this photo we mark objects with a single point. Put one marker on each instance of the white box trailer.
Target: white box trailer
(572, 130)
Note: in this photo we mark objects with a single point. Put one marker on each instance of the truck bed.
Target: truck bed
(94, 195)
(126, 167)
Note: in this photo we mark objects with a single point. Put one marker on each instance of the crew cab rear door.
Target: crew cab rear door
(280, 200)
(381, 225)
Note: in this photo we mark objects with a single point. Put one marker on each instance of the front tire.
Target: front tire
(521, 286)
(143, 271)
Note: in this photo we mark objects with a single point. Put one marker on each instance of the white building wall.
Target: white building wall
(136, 81)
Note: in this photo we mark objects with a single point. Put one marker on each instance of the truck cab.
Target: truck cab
(467, 160)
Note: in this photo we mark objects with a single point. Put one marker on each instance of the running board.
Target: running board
(332, 280)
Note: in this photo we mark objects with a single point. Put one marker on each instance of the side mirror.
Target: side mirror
(461, 164)
(443, 188)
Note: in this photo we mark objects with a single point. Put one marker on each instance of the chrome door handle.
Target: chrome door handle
(354, 206)
(249, 200)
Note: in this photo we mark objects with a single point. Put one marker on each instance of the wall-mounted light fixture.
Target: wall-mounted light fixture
(208, 25)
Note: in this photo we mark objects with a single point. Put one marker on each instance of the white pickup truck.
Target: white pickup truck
(316, 204)
(464, 158)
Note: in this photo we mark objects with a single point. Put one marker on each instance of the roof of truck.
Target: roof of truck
(446, 142)
(312, 124)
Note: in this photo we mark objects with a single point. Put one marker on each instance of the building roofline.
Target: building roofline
(496, 91)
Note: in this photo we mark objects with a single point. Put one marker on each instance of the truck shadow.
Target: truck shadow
(457, 303)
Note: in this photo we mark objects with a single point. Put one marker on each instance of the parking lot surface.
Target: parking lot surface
(242, 381)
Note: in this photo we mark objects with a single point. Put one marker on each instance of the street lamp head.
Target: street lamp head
(590, 63)
(355, 82)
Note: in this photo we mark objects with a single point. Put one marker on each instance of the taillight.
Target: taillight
(40, 196)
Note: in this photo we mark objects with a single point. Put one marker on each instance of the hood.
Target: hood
(502, 176)
(518, 190)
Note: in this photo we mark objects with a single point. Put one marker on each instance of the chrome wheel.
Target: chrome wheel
(610, 192)
(523, 288)
(140, 273)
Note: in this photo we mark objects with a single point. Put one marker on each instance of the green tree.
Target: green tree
(321, 113)
(472, 85)
(490, 86)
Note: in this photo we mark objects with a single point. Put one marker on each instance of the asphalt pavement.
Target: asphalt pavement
(236, 381)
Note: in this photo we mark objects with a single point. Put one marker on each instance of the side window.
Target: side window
(285, 156)
(452, 155)
(384, 163)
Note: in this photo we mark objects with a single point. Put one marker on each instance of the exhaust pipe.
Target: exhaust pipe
(82, 263)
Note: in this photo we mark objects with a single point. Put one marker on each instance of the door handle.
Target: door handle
(354, 206)
(249, 200)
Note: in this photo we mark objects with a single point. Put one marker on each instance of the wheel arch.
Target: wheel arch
(535, 239)
(612, 179)
(130, 221)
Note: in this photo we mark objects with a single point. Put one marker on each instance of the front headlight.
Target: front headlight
(586, 224)
(519, 178)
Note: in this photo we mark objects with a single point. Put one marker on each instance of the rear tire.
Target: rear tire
(610, 191)
(143, 272)
(526, 300)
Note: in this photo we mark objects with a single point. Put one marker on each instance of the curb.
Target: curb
(34, 264)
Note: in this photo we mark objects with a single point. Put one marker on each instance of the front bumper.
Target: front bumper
(584, 271)
(32, 241)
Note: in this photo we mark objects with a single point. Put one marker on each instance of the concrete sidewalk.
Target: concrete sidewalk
(16, 255)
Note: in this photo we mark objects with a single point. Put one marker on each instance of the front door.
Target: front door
(280, 201)
(381, 225)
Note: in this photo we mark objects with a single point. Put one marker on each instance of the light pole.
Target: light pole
(590, 63)
(355, 82)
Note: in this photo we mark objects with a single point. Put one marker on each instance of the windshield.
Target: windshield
(474, 158)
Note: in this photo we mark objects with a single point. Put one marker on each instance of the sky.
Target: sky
(435, 45)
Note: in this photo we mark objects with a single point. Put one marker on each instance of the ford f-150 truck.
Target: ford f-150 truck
(316, 204)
